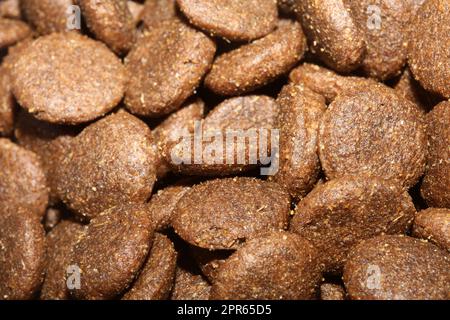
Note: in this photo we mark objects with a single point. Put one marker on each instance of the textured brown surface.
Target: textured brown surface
(22, 255)
(280, 265)
(232, 19)
(287, 6)
(136, 10)
(222, 213)
(157, 276)
(338, 214)
(386, 46)
(12, 31)
(326, 82)
(190, 286)
(333, 35)
(429, 47)
(333, 292)
(177, 125)
(52, 218)
(111, 22)
(112, 250)
(110, 163)
(397, 268)
(209, 261)
(10, 9)
(239, 113)
(373, 132)
(256, 64)
(433, 224)
(163, 203)
(59, 242)
(436, 184)
(7, 103)
(156, 11)
(22, 180)
(80, 81)
(300, 112)
(167, 63)
(46, 16)
(49, 141)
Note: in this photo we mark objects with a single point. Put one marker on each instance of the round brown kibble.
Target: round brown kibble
(22, 180)
(256, 64)
(397, 268)
(47, 16)
(110, 163)
(429, 47)
(12, 31)
(338, 214)
(332, 292)
(157, 276)
(279, 265)
(79, 81)
(435, 187)
(167, 63)
(373, 132)
(190, 286)
(22, 255)
(111, 251)
(433, 224)
(223, 213)
(156, 11)
(59, 242)
(301, 111)
(111, 22)
(332, 33)
(232, 19)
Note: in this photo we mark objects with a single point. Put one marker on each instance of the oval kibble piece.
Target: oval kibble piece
(433, 224)
(156, 11)
(111, 251)
(177, 125)
(47, 16)
(222, 213)
(397, 268)
(111, 22)
(22, 255)
(332, 292)
(157, 276)
(326, 82)
(111, 162)
(429, 47)
(254, 65)
(301, 110)
(22, 180)
(12, 31)
(167, 63)
(10, 9)
(232, 19)
(80, 81)
(333, 35)
(60, 243)
(279, 265)
(435, 187)
(190, 286)
(7, 104)
(338, 214)
(49, 141)
(373, 132)
(249, 119)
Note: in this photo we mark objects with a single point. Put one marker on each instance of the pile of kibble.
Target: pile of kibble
(224, 149)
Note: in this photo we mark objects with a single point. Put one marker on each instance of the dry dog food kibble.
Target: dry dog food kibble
(12, 31)
(156, 278)
(232, 19)
(22, 180)
(190, 286)
(331, 291)
(156, 11)
(209, 261)
(341, 212)
(79, 81)
(112, 250)
(167, 63)
(278, 265)
(256, 64)
(373, 132)
(433, 224)
(6, 103)
(397, 268)
(223, 213)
